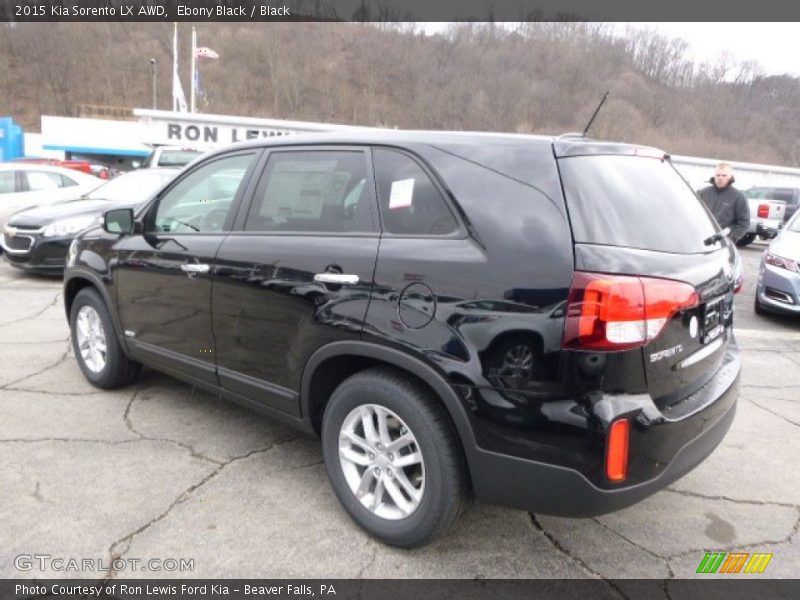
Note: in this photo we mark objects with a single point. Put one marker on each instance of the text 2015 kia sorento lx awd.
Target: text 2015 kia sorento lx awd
(543, 323)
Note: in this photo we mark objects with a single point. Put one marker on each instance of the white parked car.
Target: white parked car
(170, 157)
(25, 185)
(766, 216)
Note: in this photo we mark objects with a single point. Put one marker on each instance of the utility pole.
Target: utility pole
(153, 65)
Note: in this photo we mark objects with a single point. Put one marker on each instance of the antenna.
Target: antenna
(597, 110)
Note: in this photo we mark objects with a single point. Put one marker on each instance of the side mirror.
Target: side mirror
(136, 164)
(119, 220)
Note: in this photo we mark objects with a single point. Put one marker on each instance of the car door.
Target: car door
(163, 275)
(297, 272)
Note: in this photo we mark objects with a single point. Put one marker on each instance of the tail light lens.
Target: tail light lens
(617, 450)
(619, 312)
(763, 211)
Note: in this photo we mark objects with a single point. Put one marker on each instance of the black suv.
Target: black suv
(543, 323)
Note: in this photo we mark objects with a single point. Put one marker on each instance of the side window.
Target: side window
(7, 183)
(318, 191)
(200, 201)
(67, 182)
(42, 180)
(410, 202)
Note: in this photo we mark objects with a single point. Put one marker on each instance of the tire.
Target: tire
(438, 480)
(514, 357)
(91, 327)
(746, 240)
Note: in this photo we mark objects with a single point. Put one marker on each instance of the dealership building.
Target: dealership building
(121, 138)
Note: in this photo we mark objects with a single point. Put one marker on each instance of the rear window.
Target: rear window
(634, 202)
(771, 194)
(177, 158)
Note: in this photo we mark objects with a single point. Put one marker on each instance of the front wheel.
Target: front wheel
(96, 348)
(393, 458)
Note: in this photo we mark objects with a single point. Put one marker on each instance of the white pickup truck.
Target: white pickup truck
(766, 217)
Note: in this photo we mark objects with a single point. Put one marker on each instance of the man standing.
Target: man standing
(726, 203)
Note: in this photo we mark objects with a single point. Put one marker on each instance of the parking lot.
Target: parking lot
(164, 471)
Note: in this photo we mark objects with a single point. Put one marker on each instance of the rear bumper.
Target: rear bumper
(766, 231)
(556, 490)
(764, 227)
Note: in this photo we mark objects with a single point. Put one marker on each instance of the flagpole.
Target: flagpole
(194, 66)
(174, 66)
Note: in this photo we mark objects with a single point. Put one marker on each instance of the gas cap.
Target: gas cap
(417, 305)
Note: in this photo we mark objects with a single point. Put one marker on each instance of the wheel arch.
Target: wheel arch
(79, 281)
(335, 362)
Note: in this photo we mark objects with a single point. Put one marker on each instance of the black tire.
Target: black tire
(445, 493)
(514, 357)
(746, 240)
(118, 370)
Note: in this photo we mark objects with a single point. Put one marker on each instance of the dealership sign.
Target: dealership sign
(181, 132)
(200, 129)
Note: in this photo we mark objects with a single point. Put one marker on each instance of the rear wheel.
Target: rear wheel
(96, 348)
(393, 457)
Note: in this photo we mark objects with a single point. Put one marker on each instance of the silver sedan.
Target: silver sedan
(778, 288)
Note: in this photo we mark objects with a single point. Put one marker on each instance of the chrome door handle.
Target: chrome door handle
(336, 278)
(195, 268)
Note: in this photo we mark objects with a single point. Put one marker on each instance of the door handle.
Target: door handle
(195, 268)
(336, 278)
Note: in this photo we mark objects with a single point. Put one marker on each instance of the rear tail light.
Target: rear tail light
(619, 312)
(617, 450)
(763, 211)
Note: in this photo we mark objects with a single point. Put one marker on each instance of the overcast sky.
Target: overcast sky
(776, 46)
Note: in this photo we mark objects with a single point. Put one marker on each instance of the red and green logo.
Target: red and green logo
(735, 562)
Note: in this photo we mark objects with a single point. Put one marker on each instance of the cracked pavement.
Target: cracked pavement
(163, 470)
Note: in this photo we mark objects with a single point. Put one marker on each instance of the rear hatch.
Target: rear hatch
(634, 218)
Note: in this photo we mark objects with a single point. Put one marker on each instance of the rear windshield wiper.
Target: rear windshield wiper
(717, 237)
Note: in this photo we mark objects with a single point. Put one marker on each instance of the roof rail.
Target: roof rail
(572, 136)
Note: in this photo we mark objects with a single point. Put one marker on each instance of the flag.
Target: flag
(205, 52)
(178, 98)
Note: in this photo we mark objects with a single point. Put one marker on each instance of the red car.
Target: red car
(100, 171)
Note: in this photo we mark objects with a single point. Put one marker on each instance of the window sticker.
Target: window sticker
(401, 194)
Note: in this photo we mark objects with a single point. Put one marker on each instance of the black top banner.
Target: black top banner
(395, 10)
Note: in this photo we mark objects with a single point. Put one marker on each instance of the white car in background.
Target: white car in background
(170, 157)
(25, 185)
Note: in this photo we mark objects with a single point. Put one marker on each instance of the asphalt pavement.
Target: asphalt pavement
(158, 474)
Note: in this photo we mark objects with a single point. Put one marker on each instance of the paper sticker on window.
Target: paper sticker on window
(401, 194)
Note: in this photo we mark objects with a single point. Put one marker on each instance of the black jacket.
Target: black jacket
(729, 207)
